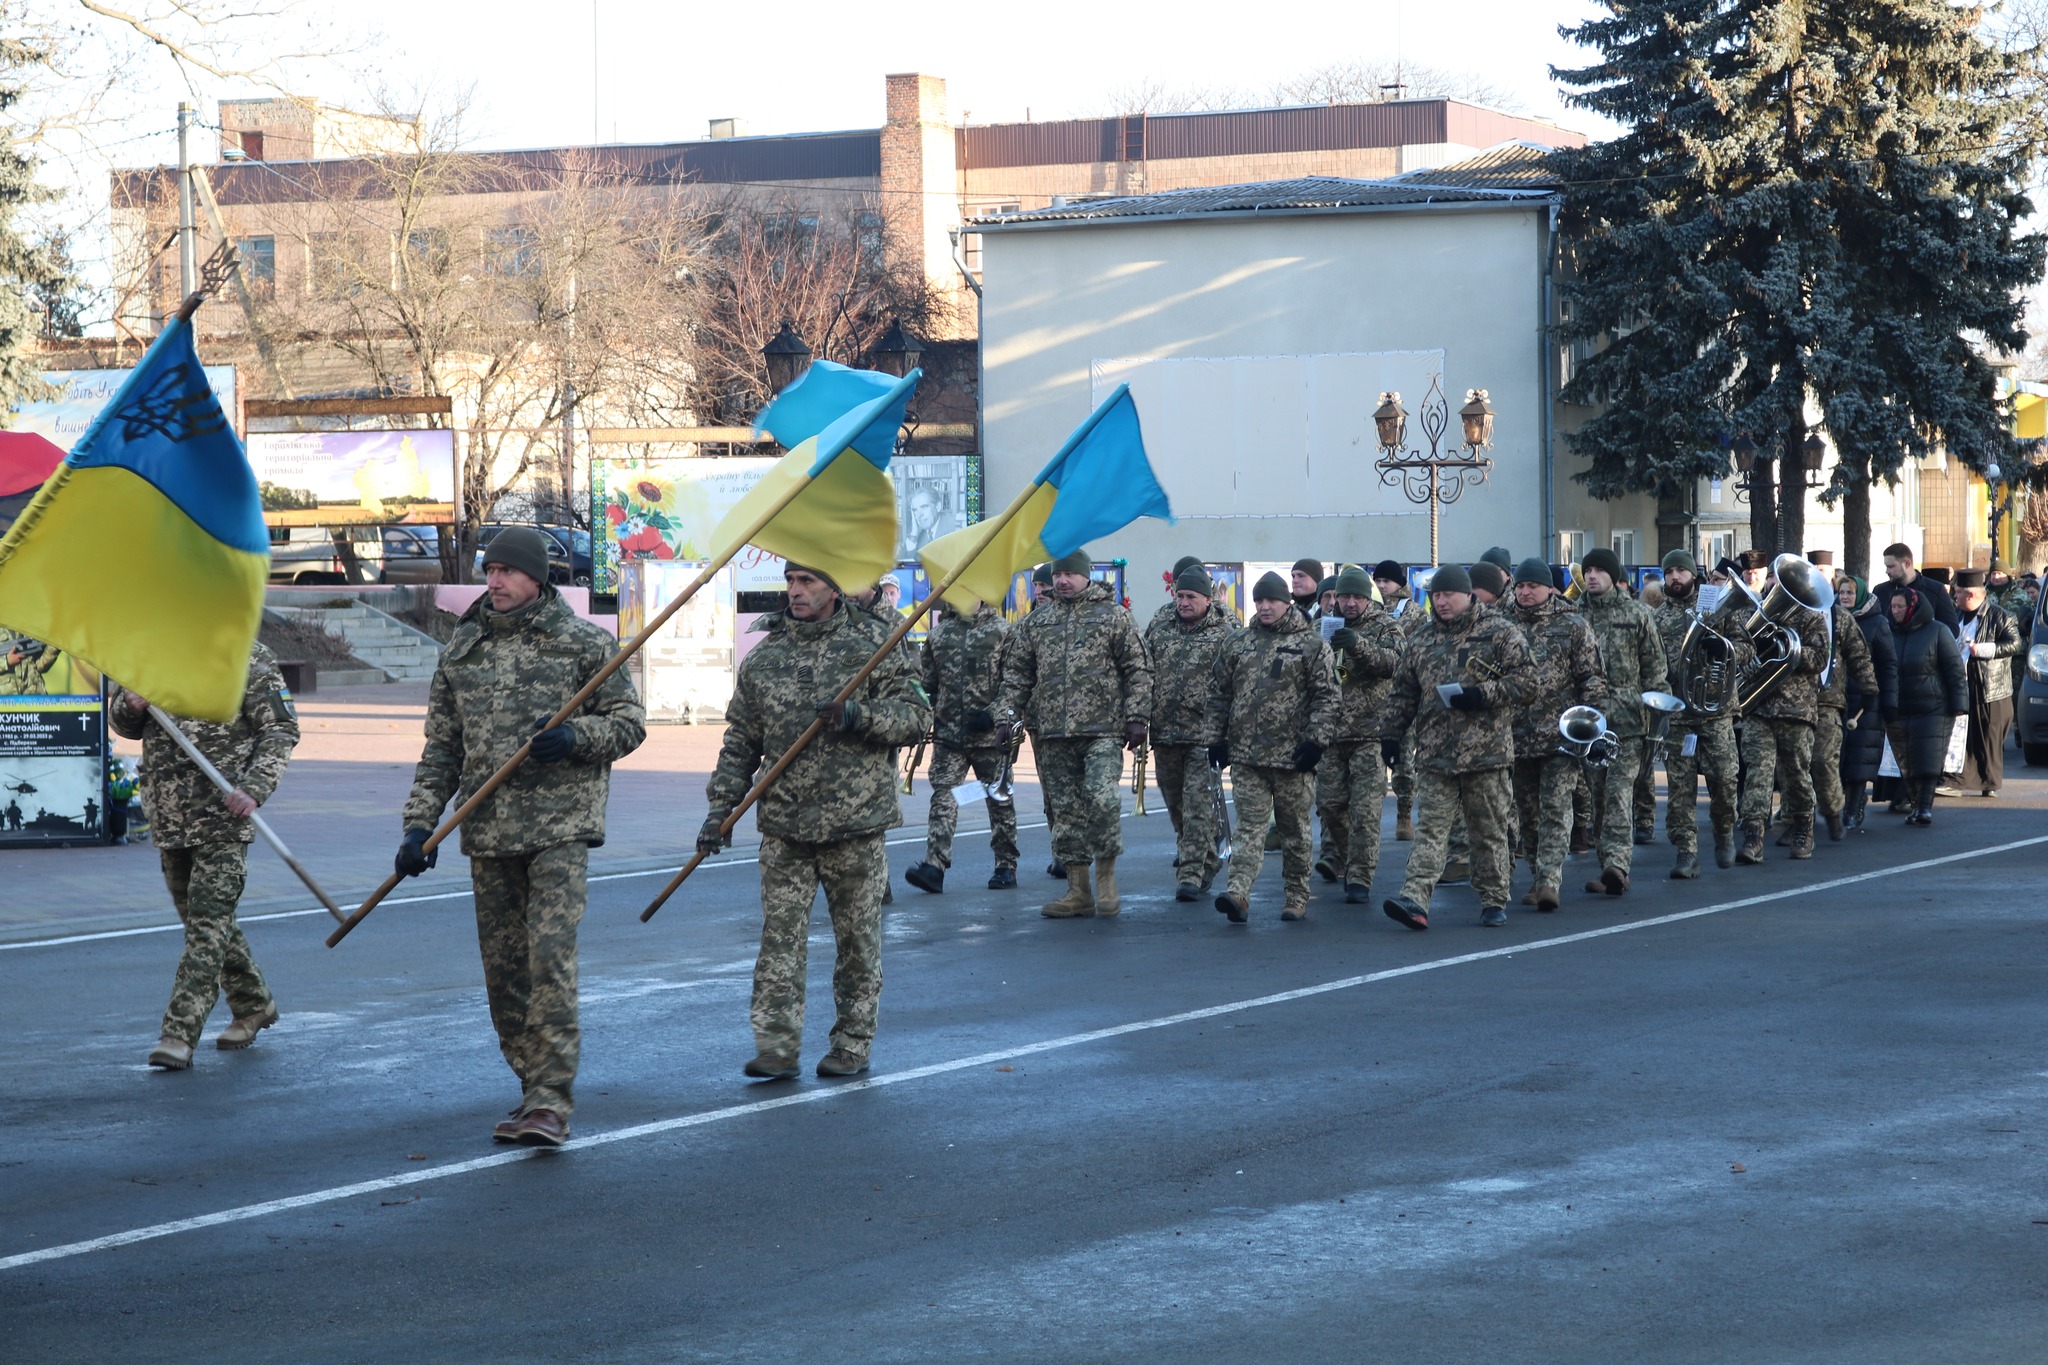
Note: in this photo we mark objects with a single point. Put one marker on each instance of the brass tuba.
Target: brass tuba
(1776, 644)
(1706, 668)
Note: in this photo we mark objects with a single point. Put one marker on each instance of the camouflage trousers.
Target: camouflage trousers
(205, 884)
(527, 911)
(1782, 750)
(1351, 793)
(1404, 773)
(1613, 799)
(1543, 800)
(1487, 802)
(854, 873)
(1284, 795)
(1714, 758)
(1052, 824)
(1188, 787)
(949, 769)
(1827, 761)
(1082, 778)
(1643, 801)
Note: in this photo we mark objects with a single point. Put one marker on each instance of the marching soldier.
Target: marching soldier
(1633, 654)
(1391, 578)
(1076, 673)
(823, 822)
(1351, 781)
(1852, 671)
(518, 654)
(202, 840)
(1182, 646)
(1777, 738)
(1167, 613)
(1568, 673)
(1041, 596)
(1272, 713)
(1305, 583)
(963, 663)
(1713, 754)
(1464, 741)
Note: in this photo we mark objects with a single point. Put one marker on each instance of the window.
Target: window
(259, 262)
(341, 264)
(970, 244)
(867, 232)
(1720, 545)
(251, 143)
(1623, 543)
(1571, 546)
(427, 249)
(511, 251)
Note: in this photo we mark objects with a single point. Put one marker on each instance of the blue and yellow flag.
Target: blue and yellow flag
(1099, 483)
(145, 554)
(822, 395)
(841, 518)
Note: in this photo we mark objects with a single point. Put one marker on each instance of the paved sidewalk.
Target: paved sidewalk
(337, 809)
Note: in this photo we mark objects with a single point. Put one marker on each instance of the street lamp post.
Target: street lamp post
(786, 357)
(1440, 477)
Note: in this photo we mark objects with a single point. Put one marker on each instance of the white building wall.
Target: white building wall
(1466, 284)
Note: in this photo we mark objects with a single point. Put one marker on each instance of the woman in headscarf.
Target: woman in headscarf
(1932, 693)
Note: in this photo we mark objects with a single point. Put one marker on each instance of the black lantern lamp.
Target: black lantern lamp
(1392, 420)
(787, 357)
(1477, 415)
(897, 353)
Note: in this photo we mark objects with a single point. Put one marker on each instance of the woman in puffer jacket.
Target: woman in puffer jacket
(1863, 746)
(1932, 693)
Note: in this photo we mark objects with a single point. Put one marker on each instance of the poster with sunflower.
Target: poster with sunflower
(663, 509)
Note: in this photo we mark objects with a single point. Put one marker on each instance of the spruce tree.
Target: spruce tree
(27, 269)
(1813, 201)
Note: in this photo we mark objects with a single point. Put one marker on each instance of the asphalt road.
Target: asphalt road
(1786, 1113)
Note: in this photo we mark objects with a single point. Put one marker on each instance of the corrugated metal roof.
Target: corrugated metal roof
(1306, 194)
(1508, 166)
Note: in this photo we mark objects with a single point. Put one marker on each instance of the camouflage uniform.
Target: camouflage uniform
(1351, 781)
(1713, 757)
(1270, 689)
(963, 662)
(528, 845)
(203, 849)
(1568, 673)
(1632, 653)
(1182, 656)
(823, 822)
(1853, 670)
(1462, 758)
(28, 665)
(1407, 614)
(1076, 672)
(1777, 730)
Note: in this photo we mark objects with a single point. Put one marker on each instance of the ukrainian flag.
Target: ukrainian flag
(1099, 483)
(145, 554)
(829, 504)
(822, 395)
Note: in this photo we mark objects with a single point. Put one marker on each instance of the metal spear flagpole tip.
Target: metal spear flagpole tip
(215, 776)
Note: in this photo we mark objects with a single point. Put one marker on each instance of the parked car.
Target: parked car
(2031, 705)
(568, 560)
(384, 554)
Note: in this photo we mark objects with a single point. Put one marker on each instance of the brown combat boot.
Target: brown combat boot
(1751, 848)
(1802, 840)
(1079, 902)
(1106, 901)
(244, 1029)
(1546, 898)
(1404, 827)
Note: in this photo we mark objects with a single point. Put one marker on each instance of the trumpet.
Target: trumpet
(1000, 791)
(1586, 736)
(1664, 708)
(1223, 844)
(916, 757)
(1143, 752)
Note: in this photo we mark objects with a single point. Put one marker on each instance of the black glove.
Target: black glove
(1219, 755)
(414, 857)
(1134, 733)
(980, 722)
(1004, 733)
(844, 714)
(1390, 752)
(551, 746)
(709, 840)
(1468, 700)
(1344, 640)
(1306, 755)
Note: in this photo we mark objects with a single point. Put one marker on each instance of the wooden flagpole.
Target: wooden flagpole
(845, 693)
(568, 709)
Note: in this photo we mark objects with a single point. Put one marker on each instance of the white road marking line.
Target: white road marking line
(412, 900)
(839, 1091)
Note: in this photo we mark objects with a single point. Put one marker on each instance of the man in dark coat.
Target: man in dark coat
(1990, 640)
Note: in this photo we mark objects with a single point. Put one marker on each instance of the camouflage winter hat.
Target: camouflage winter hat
(1271, 587)
(1355, 582)
(1077, 562)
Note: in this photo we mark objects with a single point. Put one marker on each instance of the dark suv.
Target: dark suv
(2030, 705)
